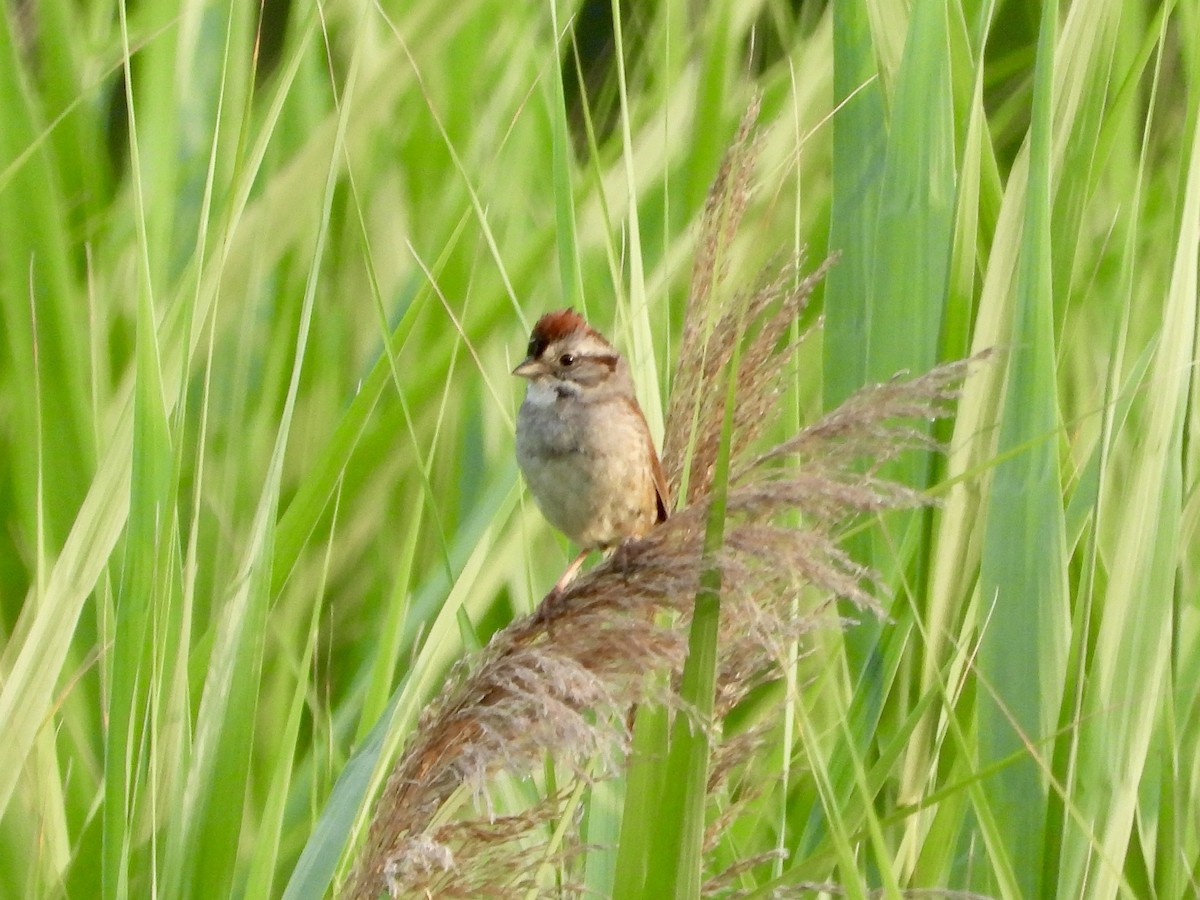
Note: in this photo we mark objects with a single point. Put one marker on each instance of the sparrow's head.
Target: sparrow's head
(563, 348)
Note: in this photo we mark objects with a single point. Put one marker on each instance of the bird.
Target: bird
(582, 442)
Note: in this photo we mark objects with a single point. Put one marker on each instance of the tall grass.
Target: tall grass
(263, 275)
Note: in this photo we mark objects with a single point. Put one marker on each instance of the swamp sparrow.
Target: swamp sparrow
(582, 441)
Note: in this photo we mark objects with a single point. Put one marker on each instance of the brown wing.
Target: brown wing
(661, 491)
(662, 494)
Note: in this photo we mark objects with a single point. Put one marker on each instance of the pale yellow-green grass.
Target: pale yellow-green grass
(260, 295)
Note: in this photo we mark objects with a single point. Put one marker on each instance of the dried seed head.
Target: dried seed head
(560, 681)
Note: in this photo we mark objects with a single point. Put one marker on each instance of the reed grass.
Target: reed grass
(264, 270)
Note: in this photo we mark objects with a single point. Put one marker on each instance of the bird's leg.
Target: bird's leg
(569, 575)
(549, 603)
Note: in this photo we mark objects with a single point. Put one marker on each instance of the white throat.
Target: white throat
(541, 393)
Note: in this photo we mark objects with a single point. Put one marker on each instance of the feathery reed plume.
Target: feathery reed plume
(560, 680)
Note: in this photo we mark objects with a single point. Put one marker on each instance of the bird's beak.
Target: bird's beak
(529, 368)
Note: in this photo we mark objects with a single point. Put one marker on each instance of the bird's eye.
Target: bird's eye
(567, 360)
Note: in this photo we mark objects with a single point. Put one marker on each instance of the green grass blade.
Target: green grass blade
(641, 810)
(859, 147)
(570, 273)
(261, 871)
(676, 859)
(1022, 580)
(916, 207)
(1127, 713)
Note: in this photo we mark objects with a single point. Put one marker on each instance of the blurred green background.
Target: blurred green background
(264, 270)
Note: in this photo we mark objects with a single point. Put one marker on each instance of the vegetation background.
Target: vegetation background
(264, 270)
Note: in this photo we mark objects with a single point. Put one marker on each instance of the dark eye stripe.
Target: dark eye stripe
(570, 360)
(608, 360)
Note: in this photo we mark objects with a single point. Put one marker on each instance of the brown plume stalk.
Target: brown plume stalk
(561, 680)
